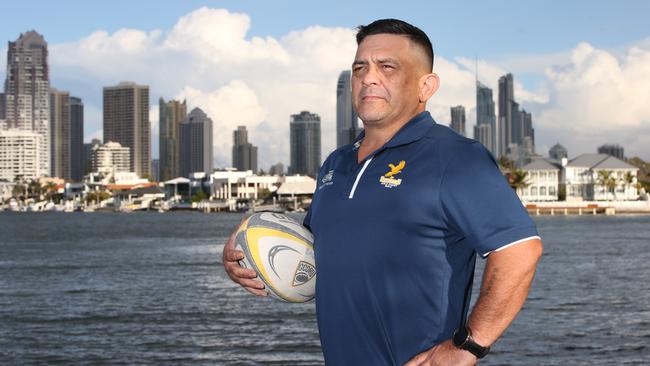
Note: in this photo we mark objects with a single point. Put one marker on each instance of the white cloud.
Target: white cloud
(599, 98)
(229, 106)
(207, 58)
(591, 97)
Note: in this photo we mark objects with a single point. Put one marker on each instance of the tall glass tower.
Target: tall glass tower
(347, 127)
(305, 143)
(27, 93)
(485, 130)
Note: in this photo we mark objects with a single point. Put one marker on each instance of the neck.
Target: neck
(376, 135)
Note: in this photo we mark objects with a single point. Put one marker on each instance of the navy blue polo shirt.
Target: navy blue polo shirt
(396, 238)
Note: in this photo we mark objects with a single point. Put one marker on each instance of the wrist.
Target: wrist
(479, 337)
(463, 339)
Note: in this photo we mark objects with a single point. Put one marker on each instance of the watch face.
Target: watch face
(460, 336)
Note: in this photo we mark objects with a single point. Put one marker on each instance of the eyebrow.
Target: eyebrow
(379, 61)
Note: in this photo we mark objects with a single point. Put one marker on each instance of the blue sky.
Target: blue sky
(494, 29)
(523, 37)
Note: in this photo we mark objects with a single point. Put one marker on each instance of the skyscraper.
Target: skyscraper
(196, 143)
(528, 132)
(126, 120)
(244, 154)
(19, 154)
(27, 93)
(347, 127)
(305, 143)
(3, 108)
(276, 169)
(60, 134)
(111, 158)
(77, 159)
(485, 130)
(171, 115)
(458, 119)
(88, 155)
(240, 136)
(506, 99)
(614, 150)
(155, 170)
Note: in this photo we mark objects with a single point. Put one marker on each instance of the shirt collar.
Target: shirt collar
(412, 131)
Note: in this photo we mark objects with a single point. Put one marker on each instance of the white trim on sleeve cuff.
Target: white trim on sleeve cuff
(511, 244)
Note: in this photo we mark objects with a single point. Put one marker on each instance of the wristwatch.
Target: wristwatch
(463, 339)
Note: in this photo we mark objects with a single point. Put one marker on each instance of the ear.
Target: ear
(429, 84)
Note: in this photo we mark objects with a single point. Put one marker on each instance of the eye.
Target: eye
(387, 67)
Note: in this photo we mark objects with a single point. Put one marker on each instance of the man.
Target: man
(398, 218)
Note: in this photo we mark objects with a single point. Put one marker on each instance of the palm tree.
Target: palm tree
(518, 180)
(18, 191)
(607, 180)
(50, 190)
(34, 190)
(628, 179)
(506, 164)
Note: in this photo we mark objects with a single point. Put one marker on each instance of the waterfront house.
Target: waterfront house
(543, 178)
(584, 178)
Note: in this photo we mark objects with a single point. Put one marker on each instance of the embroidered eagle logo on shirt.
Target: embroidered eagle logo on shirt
(327, 179)
(387, 180)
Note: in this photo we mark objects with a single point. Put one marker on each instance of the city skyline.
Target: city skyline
(297, 69)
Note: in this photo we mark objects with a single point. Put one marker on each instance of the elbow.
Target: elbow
(537, 249)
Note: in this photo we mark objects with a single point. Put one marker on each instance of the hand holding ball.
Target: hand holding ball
(281, 251)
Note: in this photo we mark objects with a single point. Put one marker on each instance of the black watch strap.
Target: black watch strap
(463, 340)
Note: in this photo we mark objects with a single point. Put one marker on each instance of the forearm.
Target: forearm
(506, 281)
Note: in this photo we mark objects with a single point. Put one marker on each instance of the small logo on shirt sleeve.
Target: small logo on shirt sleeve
(388, 180)
(328, 179)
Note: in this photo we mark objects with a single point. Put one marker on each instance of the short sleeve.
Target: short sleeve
(307, 221)
(478, 203)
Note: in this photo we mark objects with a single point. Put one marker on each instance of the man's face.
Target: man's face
(385, 77)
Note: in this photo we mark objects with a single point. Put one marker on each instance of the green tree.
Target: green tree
(629, 180)
(606, 180)
(50, 190)
(97, 196)
(518, 180)
(199, 196)
(18, 191)
(34, 190)
(506, 164)
(264, 194)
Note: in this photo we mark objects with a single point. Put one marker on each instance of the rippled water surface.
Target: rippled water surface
(148, 288)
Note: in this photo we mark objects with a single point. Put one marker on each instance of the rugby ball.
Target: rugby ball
(281, 251)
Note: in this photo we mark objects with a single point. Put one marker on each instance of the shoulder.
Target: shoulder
(453, 148)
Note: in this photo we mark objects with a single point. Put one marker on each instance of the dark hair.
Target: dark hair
(399, 27)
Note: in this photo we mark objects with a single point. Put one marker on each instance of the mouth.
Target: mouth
(371, 98)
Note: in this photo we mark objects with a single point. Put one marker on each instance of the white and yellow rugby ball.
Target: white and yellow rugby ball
(281, 251)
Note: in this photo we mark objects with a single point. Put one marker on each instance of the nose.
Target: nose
(371, 76)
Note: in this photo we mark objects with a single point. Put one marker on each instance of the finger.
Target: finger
(247, 282)
(242, 272)
(256, 291)
(235, 272)
(255, 284)
(234, 269)
(233, 255)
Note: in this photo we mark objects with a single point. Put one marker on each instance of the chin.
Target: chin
(371, 116)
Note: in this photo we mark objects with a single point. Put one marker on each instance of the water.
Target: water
(150, 289)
